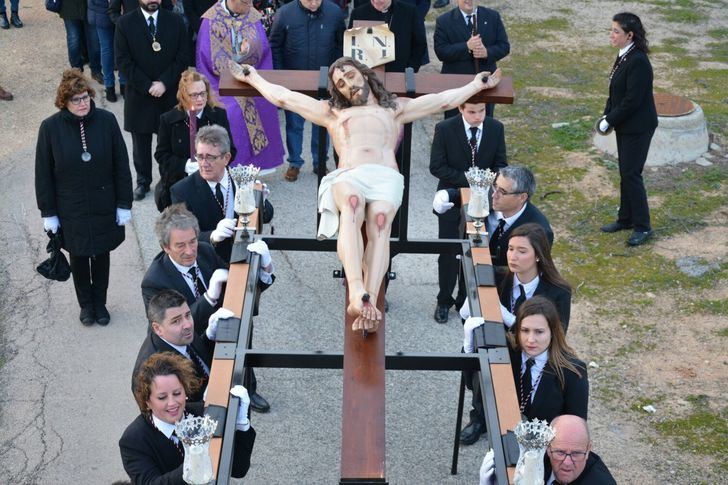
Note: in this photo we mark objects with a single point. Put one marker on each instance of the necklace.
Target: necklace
(527, 399)
(227, 196)
(85, 155)
(619, 62)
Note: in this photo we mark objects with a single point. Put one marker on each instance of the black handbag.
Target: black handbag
(53, 5)
(56, 267)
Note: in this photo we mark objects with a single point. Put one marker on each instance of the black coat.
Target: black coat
(550, 400)
(559, 296)
(595, 472)
(141, 66)
(150, 458)
(84, 195)
(409, 32)
(194, 10)
(531, 214)
(119, 7)
(631, 104)
(451, 36)
(302, 40)
(173, 140)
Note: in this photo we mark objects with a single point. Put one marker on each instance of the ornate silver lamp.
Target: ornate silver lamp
(244, 177)
(480, 182)
(195, 433)
(533, 438)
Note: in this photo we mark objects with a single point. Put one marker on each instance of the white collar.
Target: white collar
(468, 126)
(199, 113)
(465, 15)
(224, 182)
(540, 360)
(146, 14)
(181, 349)
(181, 268)
(512, 219)
(624, 49)
(529, 287)
(163, 426)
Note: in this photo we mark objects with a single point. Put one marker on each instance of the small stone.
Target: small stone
(560, 125)
(649, 294)
(649, 408)
(715, 147)
(593, 365)
(695, 266)
(703, 162)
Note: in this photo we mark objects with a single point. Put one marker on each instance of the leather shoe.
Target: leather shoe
(4, 24)
(471, 433)
(5, 95)
(292, 173)
(441, 313)
(15, 20)
(111, 95)
(638, 237)
(140, 191)
(258, 403)
(102, 314)
(87, 316)
(441, 3)
(614, 227)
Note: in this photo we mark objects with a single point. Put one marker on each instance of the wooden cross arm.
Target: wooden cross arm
(306, 82)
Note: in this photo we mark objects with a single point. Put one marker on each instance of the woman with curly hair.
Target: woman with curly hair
(83, 188)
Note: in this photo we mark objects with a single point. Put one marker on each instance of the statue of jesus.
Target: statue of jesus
(364, 121)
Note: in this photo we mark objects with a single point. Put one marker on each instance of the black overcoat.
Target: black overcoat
(84, 195)
(141, 66)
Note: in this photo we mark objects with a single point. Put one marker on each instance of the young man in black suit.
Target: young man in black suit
(406, 24)
(470, 139)
(465, 35)
(152, 50)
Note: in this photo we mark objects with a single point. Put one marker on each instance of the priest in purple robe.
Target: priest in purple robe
(231, 29)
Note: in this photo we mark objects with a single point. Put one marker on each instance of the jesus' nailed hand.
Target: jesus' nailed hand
(364, 121)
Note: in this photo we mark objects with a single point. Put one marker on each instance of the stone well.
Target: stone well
(681, 135)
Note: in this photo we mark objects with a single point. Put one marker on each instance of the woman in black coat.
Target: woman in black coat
(150, 453)
(173, 138)
(550, 379)
(83, 188)
(630, 110)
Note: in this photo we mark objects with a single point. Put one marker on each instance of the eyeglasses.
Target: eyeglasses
(200, 95)
(560, 455)
(76, 100)
(208, 158)
(501, 192)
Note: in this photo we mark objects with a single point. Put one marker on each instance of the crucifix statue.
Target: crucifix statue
(364, 121)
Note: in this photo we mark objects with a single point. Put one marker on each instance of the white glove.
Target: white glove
(222, 313)
(52, 224)
(487, 469)
(242, 423)
(603, 125)
(214, 289)
(264, 189)
(465, 310)
(225, 229)
(123, 216)
(260, 247)
(191, 166)
(508, 318)
(441, 203)
(470, 324)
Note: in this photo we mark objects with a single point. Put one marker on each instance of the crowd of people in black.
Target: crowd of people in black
(84, 191)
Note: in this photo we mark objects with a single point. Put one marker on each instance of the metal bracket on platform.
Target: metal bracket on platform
(510, 448)
(218, 413)
(489, 335)
(240, 252)
(484, 274)
(225, 350)
(228, 329)
(409, 81)
(338, 273)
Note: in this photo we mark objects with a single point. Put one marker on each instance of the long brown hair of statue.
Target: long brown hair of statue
(536, 235)
(337, 101)
(561, 356)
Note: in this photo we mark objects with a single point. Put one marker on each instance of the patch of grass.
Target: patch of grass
(702, 431)
(718, 33)
(574, 136)
(680, 11)
(719, 50)
(544, 29)
(716, 307)
(724, 332)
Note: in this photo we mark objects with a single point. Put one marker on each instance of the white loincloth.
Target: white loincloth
(375, 182)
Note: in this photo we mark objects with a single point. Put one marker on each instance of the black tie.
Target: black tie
(493, 243)
(220, 198)
(198, 284)
(152, 29)
(525, 394)
(197, 361)
(470, 24)
(521, 298)
(175, 439)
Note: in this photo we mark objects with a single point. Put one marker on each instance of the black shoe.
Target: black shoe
(140, 191)
(441, 3)
(258, 403)
(111, 95)
(98, 77)
(122, 90)
(102, 314)
(614, 227)
(638, 238)
(471, 433)
(87, 315)
(4, 24)
(441, 313)
(15, 20)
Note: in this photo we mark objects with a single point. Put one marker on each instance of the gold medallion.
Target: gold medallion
(156, 46)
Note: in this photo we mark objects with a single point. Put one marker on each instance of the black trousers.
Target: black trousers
(142, 153)
(449, 267)
(90, 278)
(633, 210)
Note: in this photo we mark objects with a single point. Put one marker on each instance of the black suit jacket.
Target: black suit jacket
(409, 33)
(149, 457)
(631, 104)
(141, 66)
(595, 472)
(550, 400)
(559, 296)
(162, 274)
(154, 344)
(531, 214)
(451, 36)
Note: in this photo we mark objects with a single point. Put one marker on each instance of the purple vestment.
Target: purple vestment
(253, 118)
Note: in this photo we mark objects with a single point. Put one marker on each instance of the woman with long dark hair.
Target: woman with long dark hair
(83, 188)
(550, 379)
(630, 110)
